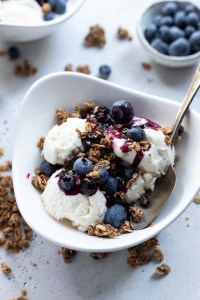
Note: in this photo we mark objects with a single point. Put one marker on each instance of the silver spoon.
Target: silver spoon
(165, 185)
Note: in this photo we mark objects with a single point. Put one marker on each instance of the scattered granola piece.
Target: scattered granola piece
(61, 116)
(26, 69)
(133, 251)
(136, 213)
(197, 199)
(85, 69)
(146, 66)
(123, 34)
(46, 8)
(157, 254)
(148, 244)
(5, 268)
(69, 68)
(67, 254)
(95, 37)
(2, 52)
(139, 260)
(40, 143)
(6, 166)
(1, 152)
(40, 182)
(163, 269)
(23, 293)
(98, 255)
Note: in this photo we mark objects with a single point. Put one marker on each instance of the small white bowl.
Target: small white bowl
(27, 33)
(162, 59)
(36, 117)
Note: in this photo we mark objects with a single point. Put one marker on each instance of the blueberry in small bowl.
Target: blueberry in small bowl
(170, 33)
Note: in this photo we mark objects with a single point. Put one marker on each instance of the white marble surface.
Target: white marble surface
(111, 278)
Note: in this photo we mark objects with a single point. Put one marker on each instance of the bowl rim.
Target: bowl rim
(140, 32)
(152, 231)
(58, 20)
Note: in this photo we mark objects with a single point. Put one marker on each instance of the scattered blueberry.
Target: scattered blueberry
(157, 19)
(137, 134)
(176, 33)
(195, 41)
(150, 32)
(13, 53)
(180, 47)
(165, 33)
(122, 112)
(49, 16)
(160, 46)
(169, 9)
(46, 168)
(189, 8)
(82, 166)
(103, 175)
(115, 216)
(67, 182)
(89, 187)
(104, 71)
(189, 30)
(180, 19)
(111, 185)
(128, 173)
(167, 20)
(192, 19)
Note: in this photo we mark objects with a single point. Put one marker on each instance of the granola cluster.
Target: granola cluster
(95, 37)
(67, 254)
(123, 34)
(25, 69)
(5, 268)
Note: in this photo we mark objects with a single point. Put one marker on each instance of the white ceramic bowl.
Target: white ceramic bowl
(162, 59)
(36, 117)
(27, 33)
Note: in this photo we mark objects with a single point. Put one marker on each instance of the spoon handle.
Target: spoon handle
(192, 90)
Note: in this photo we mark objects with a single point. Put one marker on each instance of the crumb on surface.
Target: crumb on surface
(98, 255)
(25, 69)
(2, 52)
(123, 34)
(95, 37)
(146, 66)
(157, 254)
(69, 68)
(85, 69)
(1, 152)
(67, 254)
(197, 199)
(163, 269)
(5, 268)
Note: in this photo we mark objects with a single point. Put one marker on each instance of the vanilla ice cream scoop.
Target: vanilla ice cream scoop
(79, 209)
(62, 141)
(20, 12)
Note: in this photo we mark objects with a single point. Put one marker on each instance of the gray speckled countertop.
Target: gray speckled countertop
(111, 278)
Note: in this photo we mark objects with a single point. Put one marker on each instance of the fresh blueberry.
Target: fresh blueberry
(160, 46)
(192, 19)
(137, 134)
(115, 216)
(167, 20)
(165, 33)
(175, 33)
(128, 173)
(67, 182)
(111, 185)
(189, 8)
(104, 71)
(13, 53)
(169, 9)
(103, 175)
(89, 187)
(180, 47)
(189, 30)
(60, 7)
(179, 19)
(157, 19)
(150, 32)
(46, 168)
(195, 41)
(82, 166)
(49, 16)
(53, 4)
(122, 112)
